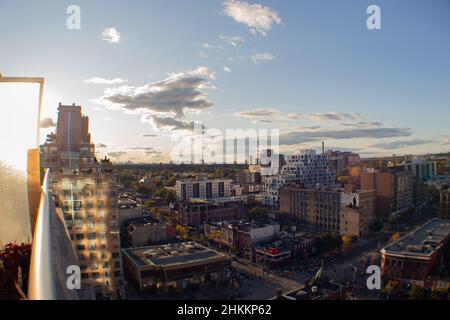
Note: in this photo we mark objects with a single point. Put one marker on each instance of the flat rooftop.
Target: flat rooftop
(175, 254)
(142, 220)
(423, 241)
(240, 225)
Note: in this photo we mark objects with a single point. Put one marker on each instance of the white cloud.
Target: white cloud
(111, 35)
(116, 154)
(47, 123)
(233, 40)
(301, 136)
(148, 135)
(267, 115)
(340, 116)
(203, 55)
(97, 80)
(168, 123)
(257, 17)
(256, 58)
(446, 141)
(208, 46)
(398, 144)
(164, 103)
(226, 69)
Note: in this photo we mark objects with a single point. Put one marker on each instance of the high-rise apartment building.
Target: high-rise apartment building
(344, 211)
(394, 190)
(86, 190)
(271, 188)
(249, 181)
(422, 168)
(341, 160)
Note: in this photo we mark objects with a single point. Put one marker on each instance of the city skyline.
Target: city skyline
(312, 70)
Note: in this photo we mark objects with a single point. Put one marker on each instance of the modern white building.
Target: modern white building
(203, 189)
(306, 168)
(310, 168)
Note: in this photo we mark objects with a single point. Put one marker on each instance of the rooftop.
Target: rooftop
(423, 241)
(142, 220)
(240, 225)
(175, 254)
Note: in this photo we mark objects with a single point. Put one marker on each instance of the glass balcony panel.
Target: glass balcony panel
(19, 133)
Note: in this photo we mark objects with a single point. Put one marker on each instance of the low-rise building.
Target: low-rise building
(412, 258)
(241, 236)
(199, 212)
(143, 231)
(175, 267)
(283, 251)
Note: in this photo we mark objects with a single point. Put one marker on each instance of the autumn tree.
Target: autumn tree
(348, 240)
(257, 213)
(182, 231)
(396, 236)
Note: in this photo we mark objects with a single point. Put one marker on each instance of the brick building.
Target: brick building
(197, 213)
(415, 256)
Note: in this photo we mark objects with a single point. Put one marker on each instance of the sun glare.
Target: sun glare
(18, 124)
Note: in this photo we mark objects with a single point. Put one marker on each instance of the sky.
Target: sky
(146, 71)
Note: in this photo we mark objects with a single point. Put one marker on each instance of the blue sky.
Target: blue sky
(310, 68)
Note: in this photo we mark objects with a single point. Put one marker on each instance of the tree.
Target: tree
(376, 226)
(171, 181)
(182, 231)
(168, 195)
(149, 204)
(417, 293)
(171, 195)
(257, 213)
(391, 287)
(143, 190)
(396, 236)
(14, 269)
(348, 240)
(329, 241)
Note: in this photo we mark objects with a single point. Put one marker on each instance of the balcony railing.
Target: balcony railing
(52, 254)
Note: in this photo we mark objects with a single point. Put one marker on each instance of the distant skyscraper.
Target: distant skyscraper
(86, 191)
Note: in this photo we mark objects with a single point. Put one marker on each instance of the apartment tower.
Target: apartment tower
(86, 191)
